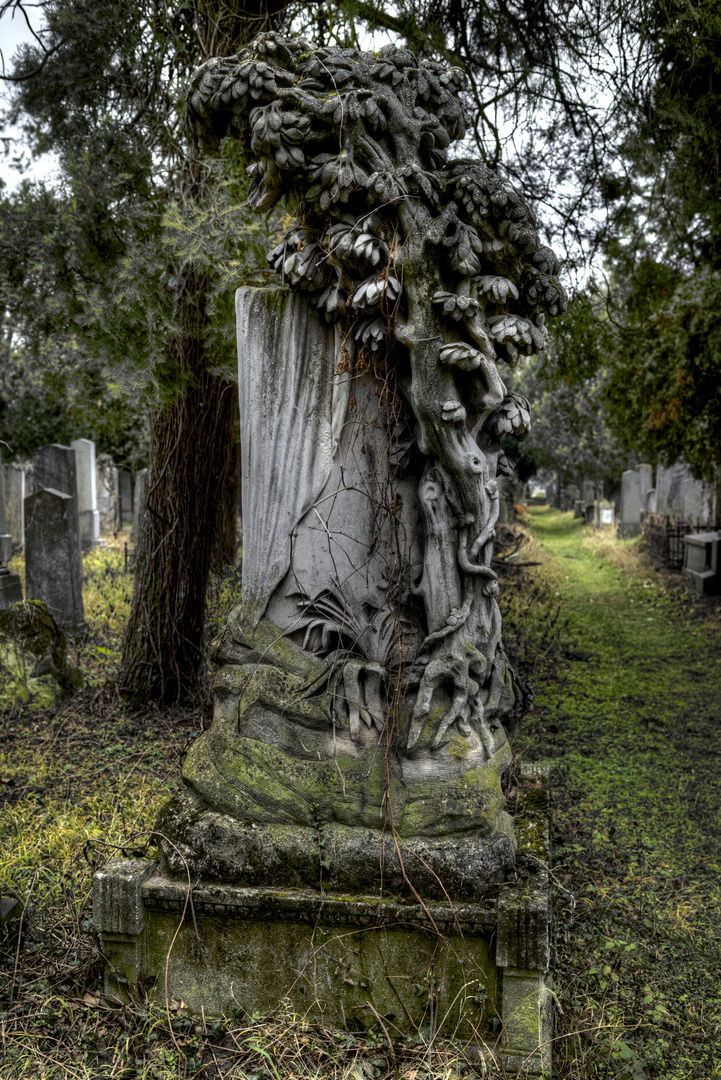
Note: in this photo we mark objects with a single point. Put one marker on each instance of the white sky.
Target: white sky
(13, 33)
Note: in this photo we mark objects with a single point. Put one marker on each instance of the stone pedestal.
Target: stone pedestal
(477, 970)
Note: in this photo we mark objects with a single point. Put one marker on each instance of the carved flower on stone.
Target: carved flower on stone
(525, 335)
(371, 291)
(513, 417)
(499, 288)
(372, 332)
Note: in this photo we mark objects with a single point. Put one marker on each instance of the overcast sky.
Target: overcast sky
(13, 33)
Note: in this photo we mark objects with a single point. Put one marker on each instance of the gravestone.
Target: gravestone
(55, 469)
(107, 495)
(15, 483)
(141, 478)
(604, 515)
(88, 514)
(650, 506)
(53, 567)
(588, 491)
(364, 699)
(645, 478)
(6, 540)
(125, 497)
(701, 561)
(632, 503)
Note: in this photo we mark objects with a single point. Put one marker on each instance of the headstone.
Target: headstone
(89, 516)
(53, 567)
(125, 497)
(141, 479)
(650, 506)
(107, 495)
(6, 540)
(15, 503)
(631, 504)
(11, 590)
(603, 514)
(701, 561)
(55, 469)
(588, 491)
(645, 479)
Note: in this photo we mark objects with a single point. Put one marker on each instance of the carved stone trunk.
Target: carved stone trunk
(305, 778)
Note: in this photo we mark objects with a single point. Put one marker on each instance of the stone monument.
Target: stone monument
(53, 566)
(364, 697)
(88, 513)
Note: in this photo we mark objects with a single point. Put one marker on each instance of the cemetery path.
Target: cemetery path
(629, 714)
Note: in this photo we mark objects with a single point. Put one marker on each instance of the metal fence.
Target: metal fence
(663, 537)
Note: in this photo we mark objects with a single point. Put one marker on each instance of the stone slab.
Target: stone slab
(701, 561)
(15, 488)
(53, 567)
(477, 971)
(88, 513)
(11, 590)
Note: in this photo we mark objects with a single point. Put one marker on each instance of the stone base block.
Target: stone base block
(476, 972)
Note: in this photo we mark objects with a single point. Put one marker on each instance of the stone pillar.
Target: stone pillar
(15, 503)
(631, 504)
(125, 497)
(119, 918)
(138, 503)
(6, 540)
(53, 567)
(87, 493)
(55, 469)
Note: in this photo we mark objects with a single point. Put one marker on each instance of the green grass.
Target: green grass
(629, 716)
(628, 673)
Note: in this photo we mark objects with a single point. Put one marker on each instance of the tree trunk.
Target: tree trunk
(192, 469)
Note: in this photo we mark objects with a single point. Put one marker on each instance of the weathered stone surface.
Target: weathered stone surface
(702, 561)
(33, 658)
(453, 967)
(55, 469)
(632, 503)
(364, 696)
(53, 568)
(88, 513)
(11, 590)
(107, 495)
(15, 485)
(604, 514)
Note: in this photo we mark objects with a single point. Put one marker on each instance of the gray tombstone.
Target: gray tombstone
(53, 567)
(701, 561)
(650, 507)
(604, 514)
(89, 516)
(107, 495)
(6, 540)
(631, 504)
(138, 503)
(125, 497)
(15, 503)
(645, 476)
(55, 469)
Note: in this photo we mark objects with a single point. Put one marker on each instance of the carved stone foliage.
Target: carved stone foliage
(429, 274)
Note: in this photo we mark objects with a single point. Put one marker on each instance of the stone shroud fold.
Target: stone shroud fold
(364, 698)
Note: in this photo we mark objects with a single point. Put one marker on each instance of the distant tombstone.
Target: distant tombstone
(651, 501)
(603, 514)
(645, 477)
(53, 567)
(701, 561)
(588, 491)
(55, 469)
(669, 489)
(87, 493)
(125, 497)
(107, 495)
(11, 590)
(631, 504)
(138, 503)
(6, 540)
(15, 503)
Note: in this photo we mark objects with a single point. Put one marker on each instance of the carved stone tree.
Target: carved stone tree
(365, 698)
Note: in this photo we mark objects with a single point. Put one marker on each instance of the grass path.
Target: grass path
(630, 716)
